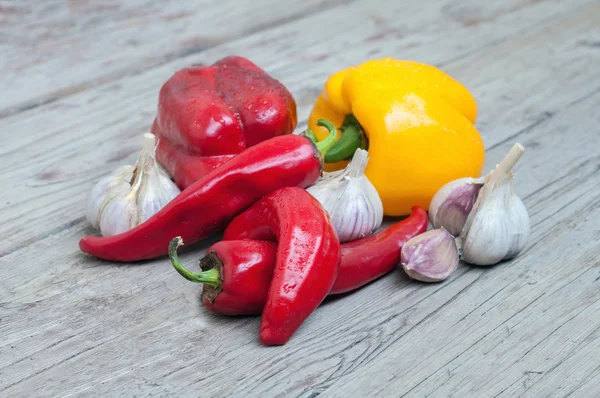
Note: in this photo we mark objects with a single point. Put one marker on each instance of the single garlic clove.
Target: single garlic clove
(101, 192)
(119, 214)
(431, 256)
(152, 202)
(154, 193)
(452, 203)
(521, 227)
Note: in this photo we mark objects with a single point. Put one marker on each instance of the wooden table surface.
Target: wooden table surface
(79, 85)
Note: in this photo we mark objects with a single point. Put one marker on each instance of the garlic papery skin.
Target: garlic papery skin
(452, 203)
(431, 256)
(131, 194)
(115, 184)
(498, 227)
(352, 202)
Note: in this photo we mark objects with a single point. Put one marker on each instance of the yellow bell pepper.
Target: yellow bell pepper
(419, 122)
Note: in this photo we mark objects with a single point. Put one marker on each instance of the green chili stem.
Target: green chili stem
(329, 141)
(310, 134)
(209, 277)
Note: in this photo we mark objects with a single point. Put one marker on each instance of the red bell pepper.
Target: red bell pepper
(209, 204)
(208, 114)
(306, 262)
(244, 268)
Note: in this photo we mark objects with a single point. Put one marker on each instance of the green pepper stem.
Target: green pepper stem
(310, 134)
(351, 139)
(209, 277)
(349, 121)
(329, 141)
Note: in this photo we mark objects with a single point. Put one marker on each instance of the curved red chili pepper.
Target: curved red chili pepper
(247, 265)
(366, 259)
(210, 203)
(307, 259)
(232, 290)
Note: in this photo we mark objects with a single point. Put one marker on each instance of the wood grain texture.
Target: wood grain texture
(72, 142)
(53, 49)
(71, 325)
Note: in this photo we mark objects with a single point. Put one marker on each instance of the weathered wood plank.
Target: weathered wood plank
(53, 49)
(61, 154)
(71, 324)
(136, 309)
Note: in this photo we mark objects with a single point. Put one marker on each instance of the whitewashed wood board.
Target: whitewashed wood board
(74, 325)
(53, 49)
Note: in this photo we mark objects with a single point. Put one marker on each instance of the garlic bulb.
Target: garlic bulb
(431, 256)
(498, 227)
(453, 202)
(131, 194)
(350, 199)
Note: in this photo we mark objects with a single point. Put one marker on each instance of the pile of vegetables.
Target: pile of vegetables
(301, 213)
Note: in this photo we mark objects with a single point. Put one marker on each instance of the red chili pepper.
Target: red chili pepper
(209, 204)
(363, 261)
(366, 259)
(207, 114)
(306, 262)
(232, 290)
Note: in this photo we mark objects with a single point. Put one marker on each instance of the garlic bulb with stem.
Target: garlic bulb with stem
(131, 194)
(350, 199)
(498, 226)
(452, 203)
(431, 256)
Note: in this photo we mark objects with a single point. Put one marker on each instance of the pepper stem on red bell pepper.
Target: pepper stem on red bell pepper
(209, 277)
(328, 142)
